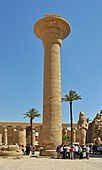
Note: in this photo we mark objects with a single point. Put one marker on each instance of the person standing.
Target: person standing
(27, 149)
(87, 151)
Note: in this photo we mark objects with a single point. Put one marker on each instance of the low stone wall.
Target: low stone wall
(10, 153)
(10, 150)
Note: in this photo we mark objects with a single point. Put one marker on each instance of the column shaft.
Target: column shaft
(5, 136)
(33, 137)
(22, 136)
(0, 139)
(74, 136)
(52, 131)
(14, 136)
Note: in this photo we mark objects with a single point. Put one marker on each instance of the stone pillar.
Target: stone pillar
(5, 136)
(9, 135)
(74, 136)
(64, 132)
(0, 139)
(33, 137)
(40, 136)
(14, 135)
(22, 136)
(52, 30)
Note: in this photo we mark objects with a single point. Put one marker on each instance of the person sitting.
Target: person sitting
(60, 151)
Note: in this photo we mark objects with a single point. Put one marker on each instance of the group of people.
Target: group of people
(97, 149)
(28, 149)
(73, 152)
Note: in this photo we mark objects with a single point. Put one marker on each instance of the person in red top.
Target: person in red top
(72, 152)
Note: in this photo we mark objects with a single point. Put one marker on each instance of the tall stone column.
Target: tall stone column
(52, 30)
(0, 139)
(5, 136)
(74, 136)
(21, 136)
(33, 137)
(14, 135)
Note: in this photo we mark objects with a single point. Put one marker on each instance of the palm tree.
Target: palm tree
(70, 98)
(31, 114)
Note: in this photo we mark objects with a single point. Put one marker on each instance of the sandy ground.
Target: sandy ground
(31, 163)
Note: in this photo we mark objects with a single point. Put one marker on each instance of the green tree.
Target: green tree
(70, 97)
(66, 139)
(32, 114)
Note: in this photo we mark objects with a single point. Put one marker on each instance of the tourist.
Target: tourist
(84, 151)
(60, 150)
(72, 152)
(65, 155)
(80, 152)
(76, 151)
(94, 148)
(87, 151)
(32, 149)
(27, 149)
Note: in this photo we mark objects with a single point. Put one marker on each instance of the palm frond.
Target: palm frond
(26, 115)
(32, 113)
(71, 96)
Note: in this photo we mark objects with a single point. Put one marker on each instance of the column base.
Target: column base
(51, 153)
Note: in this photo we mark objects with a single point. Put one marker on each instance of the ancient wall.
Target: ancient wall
(15, 131)
(94, 131)
(12, 133)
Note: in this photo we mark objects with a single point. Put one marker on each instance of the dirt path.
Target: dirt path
(27, 163)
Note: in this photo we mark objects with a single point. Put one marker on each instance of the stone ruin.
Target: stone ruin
(82, 127)
(90, 132)
(13, 135)
(97, 129)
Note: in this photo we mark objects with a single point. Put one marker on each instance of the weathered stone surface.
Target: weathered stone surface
(33, 137)
(0, 139)
(52, 30)
(92, 134)
(5, 136)
(12, 132)
(14, 135)
(82, 128)
(22, 136)
(74, 136)
(97, 129)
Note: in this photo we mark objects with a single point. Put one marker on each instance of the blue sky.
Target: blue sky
(22, 54)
